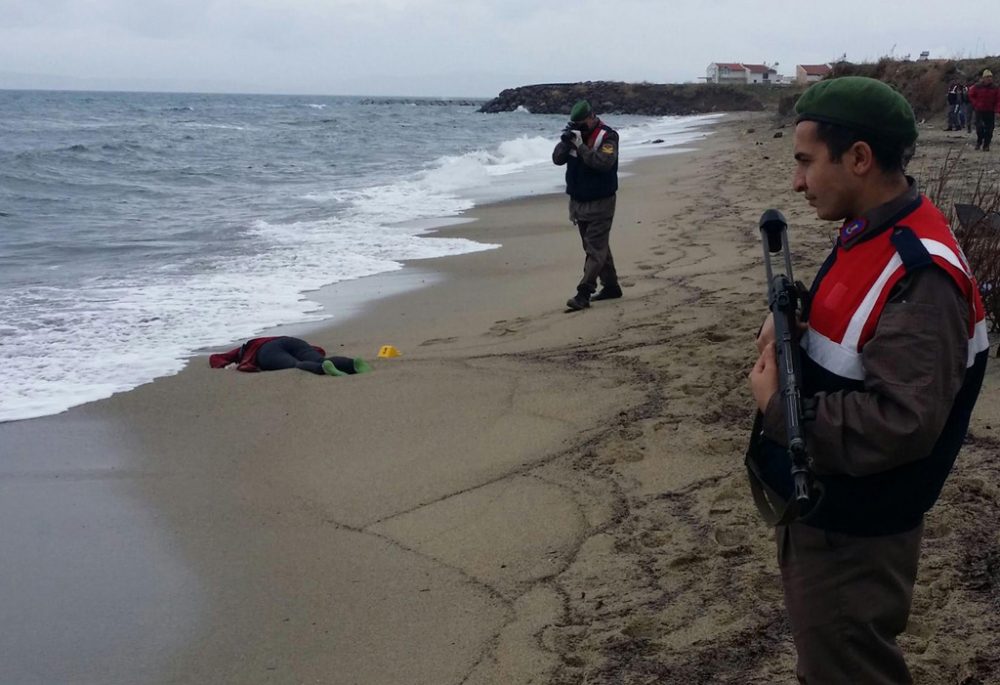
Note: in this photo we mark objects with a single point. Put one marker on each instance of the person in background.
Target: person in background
(985, 99)
(589, 149)
(893, 354)
(954, 93)
(285, 352)
(967, 112)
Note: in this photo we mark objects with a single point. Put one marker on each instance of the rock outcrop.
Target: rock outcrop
(653, 99)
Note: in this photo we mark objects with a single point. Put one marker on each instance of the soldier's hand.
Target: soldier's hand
(764, 377)
(766, 334)
(577, 139)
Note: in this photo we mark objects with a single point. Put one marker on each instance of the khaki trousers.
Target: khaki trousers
(594, 221)
(848, 598)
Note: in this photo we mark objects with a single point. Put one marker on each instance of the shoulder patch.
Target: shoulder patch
(607, 148)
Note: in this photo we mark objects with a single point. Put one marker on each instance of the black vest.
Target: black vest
(585, 184)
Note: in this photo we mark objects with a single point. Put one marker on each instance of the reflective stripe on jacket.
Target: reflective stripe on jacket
(849, 297)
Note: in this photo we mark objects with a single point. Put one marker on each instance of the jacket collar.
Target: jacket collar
(880, 218)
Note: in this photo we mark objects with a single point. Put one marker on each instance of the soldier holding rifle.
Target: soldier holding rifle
(892, 348)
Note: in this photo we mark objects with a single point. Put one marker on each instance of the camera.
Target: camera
(567, 133)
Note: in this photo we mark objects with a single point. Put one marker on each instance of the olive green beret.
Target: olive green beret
(581, 110)
(861, 104)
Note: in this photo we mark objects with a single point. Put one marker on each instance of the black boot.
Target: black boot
(579, 301)
(608, 292)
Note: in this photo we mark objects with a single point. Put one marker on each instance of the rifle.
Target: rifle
(783, 297)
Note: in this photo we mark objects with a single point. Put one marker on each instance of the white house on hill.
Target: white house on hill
(809, 73)
(737, 72)
(726, 72)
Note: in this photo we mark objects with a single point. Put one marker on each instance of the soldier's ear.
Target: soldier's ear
(860, 157)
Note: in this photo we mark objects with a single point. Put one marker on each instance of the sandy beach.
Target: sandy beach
(525, 495)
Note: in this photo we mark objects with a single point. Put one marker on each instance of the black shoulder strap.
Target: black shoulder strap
(910, 249)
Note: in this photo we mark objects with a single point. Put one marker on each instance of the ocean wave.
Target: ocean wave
(105, 323)
(197, 124)
(451, 184)
(423, 102)
(122, 147)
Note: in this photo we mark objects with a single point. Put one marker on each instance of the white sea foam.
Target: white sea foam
(113, 334)
(523, 166)
(200, 125)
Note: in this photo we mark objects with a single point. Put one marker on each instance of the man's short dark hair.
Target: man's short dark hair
(890, 156)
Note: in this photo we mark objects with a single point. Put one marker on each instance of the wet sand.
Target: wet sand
(524, 496)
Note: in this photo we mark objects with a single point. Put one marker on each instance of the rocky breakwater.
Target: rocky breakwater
(653, 99)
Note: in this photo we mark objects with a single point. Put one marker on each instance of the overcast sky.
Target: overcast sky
(454, 47)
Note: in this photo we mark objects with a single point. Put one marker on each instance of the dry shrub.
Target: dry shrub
(924, 83)
(979, 239)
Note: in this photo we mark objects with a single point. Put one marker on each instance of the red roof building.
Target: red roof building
(737, 72)
(809, 73)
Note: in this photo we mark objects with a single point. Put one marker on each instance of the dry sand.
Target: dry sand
(525, 496)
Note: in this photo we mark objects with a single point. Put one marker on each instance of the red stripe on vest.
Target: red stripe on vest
(856, 271)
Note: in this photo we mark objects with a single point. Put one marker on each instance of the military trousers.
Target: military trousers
(594, 219)
(985, 121)
(848, 598)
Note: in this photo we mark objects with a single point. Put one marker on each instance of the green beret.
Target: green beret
(862, 104)
(581, 110)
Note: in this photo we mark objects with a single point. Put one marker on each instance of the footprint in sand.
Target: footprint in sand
(631, 457)
(715, 336)
(730, 537)
(685, 559)
(437, 341)
(505, 327)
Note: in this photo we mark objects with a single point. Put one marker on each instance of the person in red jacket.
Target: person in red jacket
(985, 98)
(285, 352)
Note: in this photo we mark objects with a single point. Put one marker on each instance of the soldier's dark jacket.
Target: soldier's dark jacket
(591, 169)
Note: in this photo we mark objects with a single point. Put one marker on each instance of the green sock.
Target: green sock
(361, 366)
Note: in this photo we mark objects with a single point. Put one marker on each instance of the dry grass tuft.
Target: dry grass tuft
(978, 233)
